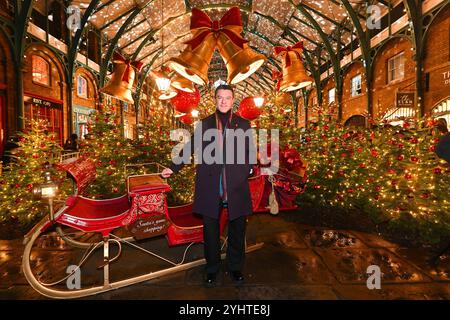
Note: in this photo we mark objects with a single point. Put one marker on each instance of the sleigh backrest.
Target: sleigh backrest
(81, 170)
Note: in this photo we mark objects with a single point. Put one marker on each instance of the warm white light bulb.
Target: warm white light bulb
(163, 83)
(259, 101)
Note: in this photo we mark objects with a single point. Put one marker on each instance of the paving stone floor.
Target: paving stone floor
(297, 262)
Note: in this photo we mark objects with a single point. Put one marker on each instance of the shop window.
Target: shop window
(52, 115)
(396, 67)
(40, 70)
(356, 86)
(331, 95)
(82, 87)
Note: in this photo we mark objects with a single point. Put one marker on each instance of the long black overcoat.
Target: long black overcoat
(207, 180)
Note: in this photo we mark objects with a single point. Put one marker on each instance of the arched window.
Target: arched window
(82, 87)
(356, 121)
(40, 70)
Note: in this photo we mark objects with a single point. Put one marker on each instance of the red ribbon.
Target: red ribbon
(297, 49)
(119, 59)
(291, 159)
(201, 22)
(277, 76)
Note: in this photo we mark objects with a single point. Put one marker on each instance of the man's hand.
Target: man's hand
(166, 173)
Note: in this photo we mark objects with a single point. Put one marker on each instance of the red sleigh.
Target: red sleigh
(142, 213)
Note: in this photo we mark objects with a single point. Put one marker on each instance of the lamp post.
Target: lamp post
(46, 190)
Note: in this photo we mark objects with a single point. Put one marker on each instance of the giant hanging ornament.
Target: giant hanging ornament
(248, 110)
(241, 61)
(193, 62)
(181, 83)
(185, 102)
(294, 73)
(121, 84)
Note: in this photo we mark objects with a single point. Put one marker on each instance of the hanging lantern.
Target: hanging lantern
(259, 101)
(121, 84)
(294, 73)
(163, 84)
(185, 102)
(183, 84)
(248, 110)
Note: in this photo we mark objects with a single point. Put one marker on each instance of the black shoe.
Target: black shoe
(210, 280)
(237, 277)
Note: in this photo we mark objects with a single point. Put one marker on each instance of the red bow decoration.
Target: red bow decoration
(230, 25)
(291, 160)
(297, 49)
(119, 59)
(277, 76)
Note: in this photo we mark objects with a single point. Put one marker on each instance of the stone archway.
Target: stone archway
(356, 120)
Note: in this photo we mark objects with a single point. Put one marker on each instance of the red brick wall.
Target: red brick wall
(58, 86)
(358, 104)
(437, 59)
(383, 97)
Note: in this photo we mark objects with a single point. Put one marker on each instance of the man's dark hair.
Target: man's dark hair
(223, 87)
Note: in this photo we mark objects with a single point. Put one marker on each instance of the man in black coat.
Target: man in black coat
(221, 181)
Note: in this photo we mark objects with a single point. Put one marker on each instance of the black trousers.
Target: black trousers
(235, 244)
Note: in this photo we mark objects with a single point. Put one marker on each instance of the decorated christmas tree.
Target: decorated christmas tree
(107, 147)
(38, 151)
(389, 173)
(156, 146)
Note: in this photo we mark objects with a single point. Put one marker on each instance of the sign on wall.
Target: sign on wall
(446, 78)
(405, 99)
(45, 103)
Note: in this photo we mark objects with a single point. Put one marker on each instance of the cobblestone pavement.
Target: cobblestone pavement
(297, 262)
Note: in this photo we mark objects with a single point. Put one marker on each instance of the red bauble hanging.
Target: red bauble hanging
(187, 119)
(185, 102)
(248, 109)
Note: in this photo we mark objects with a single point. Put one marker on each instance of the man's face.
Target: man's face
(224, 100)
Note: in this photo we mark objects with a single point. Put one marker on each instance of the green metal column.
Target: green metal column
(415, 13)
(305, 95)
(22, 13)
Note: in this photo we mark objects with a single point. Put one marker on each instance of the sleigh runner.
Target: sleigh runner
(142, 213)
